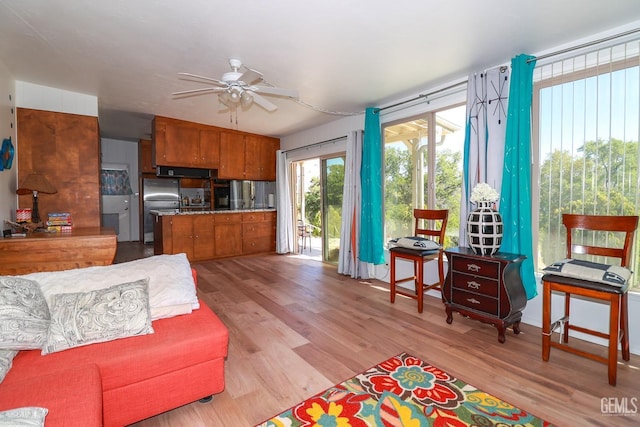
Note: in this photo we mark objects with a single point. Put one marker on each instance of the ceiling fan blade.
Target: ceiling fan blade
(203, 90)
(268, 90)
(250, 77)
(262, 102)
(209, 79)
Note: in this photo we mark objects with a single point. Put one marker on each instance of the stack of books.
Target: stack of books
(59, 221)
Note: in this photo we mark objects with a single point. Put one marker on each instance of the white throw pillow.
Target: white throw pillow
(24, 314)
(79, 319)
(29, 416)
(171, 284)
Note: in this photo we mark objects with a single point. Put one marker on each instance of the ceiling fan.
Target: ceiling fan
(237, 88)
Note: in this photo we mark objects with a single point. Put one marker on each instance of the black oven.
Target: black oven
(221, 194)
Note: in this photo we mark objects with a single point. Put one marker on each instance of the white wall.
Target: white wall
(8, 177)
(125, 152)
(37, 97)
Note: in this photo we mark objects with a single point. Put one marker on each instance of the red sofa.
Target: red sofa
(120, 382)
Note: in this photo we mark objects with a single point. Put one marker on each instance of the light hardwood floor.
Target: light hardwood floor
(297, 327)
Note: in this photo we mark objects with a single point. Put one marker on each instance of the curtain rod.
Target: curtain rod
(423, 95)
(559, 52)
(315, 144)
(582, 46)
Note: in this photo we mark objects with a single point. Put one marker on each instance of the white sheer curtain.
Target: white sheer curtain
(487, 102)
(349, 260)
(284, 224)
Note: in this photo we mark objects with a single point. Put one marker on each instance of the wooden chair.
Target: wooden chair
(434, 227)
(616, 296)
(304, 235)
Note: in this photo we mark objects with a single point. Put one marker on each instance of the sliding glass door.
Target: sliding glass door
(332, 183)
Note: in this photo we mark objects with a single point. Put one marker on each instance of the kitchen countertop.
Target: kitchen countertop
(203, 212)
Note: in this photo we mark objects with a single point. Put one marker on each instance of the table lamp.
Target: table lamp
(36, 183)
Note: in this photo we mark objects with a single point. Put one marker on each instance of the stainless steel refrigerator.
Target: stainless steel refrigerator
(158, 194)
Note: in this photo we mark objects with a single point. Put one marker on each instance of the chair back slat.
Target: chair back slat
(604, 223)
(436, 223)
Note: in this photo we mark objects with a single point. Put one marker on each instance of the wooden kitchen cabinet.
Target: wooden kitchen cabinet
(175, 143)
(232, 156)
(235, 155)
(145, 157)
(486, 288)
(248, 156)
(182, 235)
(215, 235)
(210, 148)
(191, 234)
(258, 232)
(185, 144)
(228, 234)
(203, 237)
(260, 157)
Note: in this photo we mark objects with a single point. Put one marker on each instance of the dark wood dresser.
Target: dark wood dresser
(485, 288)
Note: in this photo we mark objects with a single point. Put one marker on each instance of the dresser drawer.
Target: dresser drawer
(477, 267)
(477, 284)
(259, 229)
(476, 302)
(227, 218)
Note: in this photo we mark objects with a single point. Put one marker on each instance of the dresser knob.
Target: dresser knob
(473, 285)
(473, 300)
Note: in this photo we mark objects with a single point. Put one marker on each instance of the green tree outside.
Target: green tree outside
(601, 178)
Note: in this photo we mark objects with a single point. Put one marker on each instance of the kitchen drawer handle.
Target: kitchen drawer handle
(473, 285)
(473, 300)
(473, 267)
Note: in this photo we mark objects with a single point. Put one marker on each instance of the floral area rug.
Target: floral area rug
(403, 391)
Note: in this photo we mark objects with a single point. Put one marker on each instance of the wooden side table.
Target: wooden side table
(485, 288)
(39, 251)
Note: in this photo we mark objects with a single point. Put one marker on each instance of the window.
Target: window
(423, 169)
(586, 113)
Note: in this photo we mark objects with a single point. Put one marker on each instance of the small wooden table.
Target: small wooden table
(486, 288)
(41, 251)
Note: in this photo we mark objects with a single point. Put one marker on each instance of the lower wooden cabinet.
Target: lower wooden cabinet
(228, 234)
(219, 235)
(258, 232)
(191, 234)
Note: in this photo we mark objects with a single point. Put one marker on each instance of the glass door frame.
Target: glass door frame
(325, 208)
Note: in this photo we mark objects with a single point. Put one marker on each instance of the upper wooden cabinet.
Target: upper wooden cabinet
(145, 156)
(210, 147)
(260, 157)
(186, 144)
(248, 156)
(232, 153)
(236, 155)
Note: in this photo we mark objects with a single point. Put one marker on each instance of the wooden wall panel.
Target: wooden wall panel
(65, 148)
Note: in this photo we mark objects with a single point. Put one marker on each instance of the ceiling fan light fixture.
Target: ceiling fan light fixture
(224, 98)
(239, 89)
(246, 99)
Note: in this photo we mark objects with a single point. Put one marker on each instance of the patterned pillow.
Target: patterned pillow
(79, 319)
(415, 242)
(27, 416)
(6, 360)
(24, 314)
(593, 271)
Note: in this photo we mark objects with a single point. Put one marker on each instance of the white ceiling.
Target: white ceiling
(340, 55)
